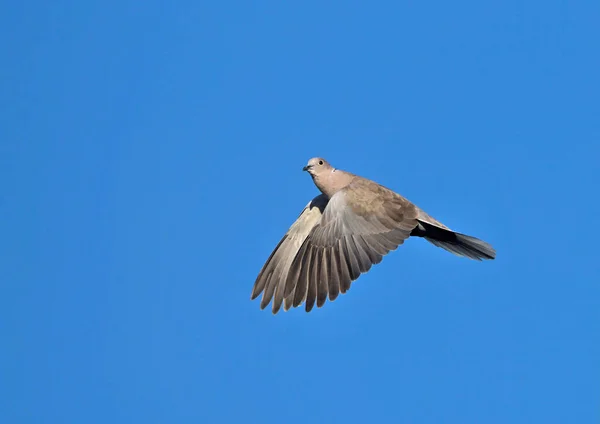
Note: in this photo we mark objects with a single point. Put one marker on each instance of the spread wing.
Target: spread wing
(361, 223)
(272, 277)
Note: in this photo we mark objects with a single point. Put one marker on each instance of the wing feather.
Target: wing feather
(360, 225)
(275, 272)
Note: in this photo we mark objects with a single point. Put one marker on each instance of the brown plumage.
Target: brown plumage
(341, 234)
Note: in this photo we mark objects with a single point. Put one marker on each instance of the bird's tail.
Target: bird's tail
(457, 243)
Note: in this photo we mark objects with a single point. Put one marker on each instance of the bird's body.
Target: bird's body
(341, 233)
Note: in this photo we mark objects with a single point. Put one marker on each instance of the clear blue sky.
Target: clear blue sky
(150, 160)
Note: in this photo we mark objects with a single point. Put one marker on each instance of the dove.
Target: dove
(341, 234)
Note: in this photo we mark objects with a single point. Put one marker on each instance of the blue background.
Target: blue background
(150, 160)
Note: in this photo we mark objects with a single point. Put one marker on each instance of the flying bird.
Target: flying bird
(341, 234)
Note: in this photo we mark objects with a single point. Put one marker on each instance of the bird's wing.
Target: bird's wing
(272, 277)
(361, 223)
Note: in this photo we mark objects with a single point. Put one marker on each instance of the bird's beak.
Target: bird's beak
(307, 167)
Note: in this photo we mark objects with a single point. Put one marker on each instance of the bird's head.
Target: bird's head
(316, 166)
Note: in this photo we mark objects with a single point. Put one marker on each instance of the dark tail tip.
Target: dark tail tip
(457, 243)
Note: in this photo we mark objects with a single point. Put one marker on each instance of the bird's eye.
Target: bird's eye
(320, 162)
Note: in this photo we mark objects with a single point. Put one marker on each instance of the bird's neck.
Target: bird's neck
(331, 182)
